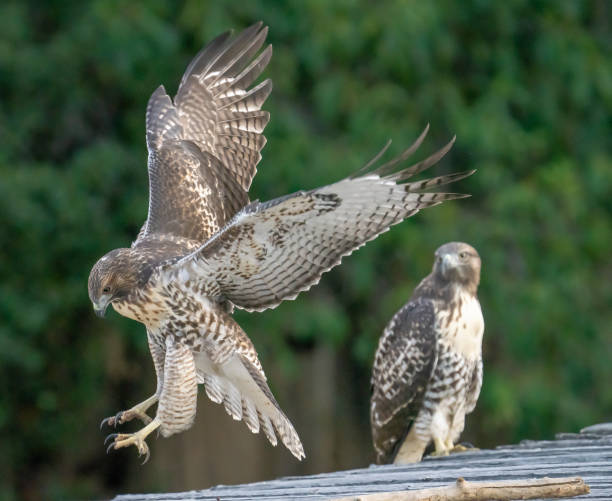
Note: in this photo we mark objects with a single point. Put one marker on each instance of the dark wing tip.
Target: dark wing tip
(456, 196)
(387, 169)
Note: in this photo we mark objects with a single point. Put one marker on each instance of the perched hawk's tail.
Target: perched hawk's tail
(243, 390)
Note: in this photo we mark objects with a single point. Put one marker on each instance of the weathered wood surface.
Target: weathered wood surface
(587, 454)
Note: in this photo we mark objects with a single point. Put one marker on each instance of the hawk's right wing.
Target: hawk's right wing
(404, 363)
(272, 251)
(204, 146)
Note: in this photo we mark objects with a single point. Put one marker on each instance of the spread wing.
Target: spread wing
(204, 146)
(272, 251)
(403, 365)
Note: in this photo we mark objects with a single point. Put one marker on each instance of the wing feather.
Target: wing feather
(403, 365)
(213, 112)
(272, 251)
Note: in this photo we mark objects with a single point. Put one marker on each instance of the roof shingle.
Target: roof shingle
(587, 454)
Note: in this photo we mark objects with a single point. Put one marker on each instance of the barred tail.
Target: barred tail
(245, 395)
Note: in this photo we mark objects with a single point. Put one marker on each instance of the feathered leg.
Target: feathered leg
(139, 411)
(177, 401)
(179, 396)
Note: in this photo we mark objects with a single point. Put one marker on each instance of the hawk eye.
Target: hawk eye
(463, 255)
(106, 290)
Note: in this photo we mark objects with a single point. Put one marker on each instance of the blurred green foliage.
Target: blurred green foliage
(527, 88)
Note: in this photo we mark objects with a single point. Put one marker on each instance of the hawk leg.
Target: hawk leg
(119, 440)
(136, 412)
(139, 411)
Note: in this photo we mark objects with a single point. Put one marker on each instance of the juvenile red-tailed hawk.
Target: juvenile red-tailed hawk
(427, 369)
(205, 249)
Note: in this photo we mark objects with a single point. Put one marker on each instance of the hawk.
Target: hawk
(427, 369)
(205, 248)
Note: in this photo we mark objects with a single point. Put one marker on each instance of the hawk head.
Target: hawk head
(458, 262)
(112, 278)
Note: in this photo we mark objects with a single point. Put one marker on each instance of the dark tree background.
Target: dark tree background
(525, 85)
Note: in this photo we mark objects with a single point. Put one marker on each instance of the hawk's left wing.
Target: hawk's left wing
(272, 251)
(205, 144)
(404, 363)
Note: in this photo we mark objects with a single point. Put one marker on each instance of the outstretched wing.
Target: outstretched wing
(403, 365)
(204, 146)
(272, 251)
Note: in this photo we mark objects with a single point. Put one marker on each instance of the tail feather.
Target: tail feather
(245, 396)
(249, 415)
(212, 385)
(232, 402)
(268, 429)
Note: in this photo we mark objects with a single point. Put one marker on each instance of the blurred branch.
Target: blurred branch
(475, 491)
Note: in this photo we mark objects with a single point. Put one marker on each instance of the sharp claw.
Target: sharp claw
(147, 456)
(112, 436)
(118, 417)
(104, 421)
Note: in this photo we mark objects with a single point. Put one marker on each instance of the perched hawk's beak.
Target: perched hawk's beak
(101, 305)
(449, 261)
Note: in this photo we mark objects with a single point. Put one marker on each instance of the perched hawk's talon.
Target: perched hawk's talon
(439, 454)
(464, 448)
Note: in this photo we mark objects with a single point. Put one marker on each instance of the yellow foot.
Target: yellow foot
(440, 453)
(441, 448)
(119, 440)
(136, 412)
(463, 448)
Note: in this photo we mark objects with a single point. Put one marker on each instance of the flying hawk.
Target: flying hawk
(205, 249)
(427, 369)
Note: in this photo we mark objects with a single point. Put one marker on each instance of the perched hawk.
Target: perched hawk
(427, 370)
(205, 248)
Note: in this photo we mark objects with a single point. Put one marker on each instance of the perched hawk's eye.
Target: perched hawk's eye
(106, 290)
(462, 255)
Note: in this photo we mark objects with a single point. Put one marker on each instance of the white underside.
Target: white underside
(232, 374)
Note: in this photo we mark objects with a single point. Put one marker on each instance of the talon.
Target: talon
(119, 440)
(112, 420)
(112, 436)
(123, 417)
(118, 419)
(464, 448)
(145, 452)
(439, 454)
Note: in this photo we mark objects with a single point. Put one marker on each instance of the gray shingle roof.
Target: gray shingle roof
(587, 454)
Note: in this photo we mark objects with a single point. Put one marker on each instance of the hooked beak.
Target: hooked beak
(101, 305)
(448, 262)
